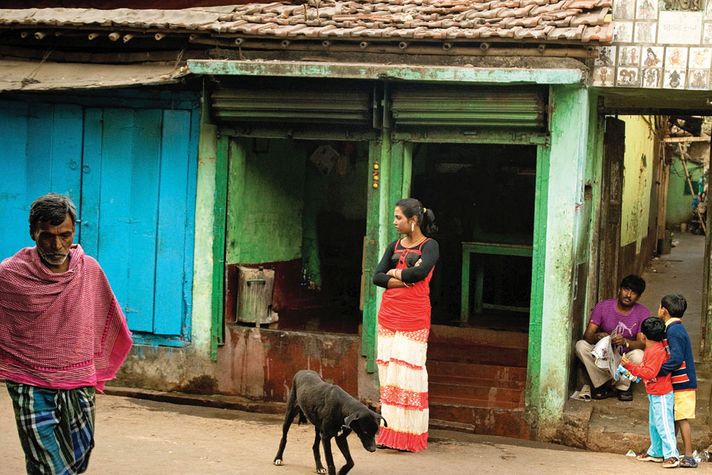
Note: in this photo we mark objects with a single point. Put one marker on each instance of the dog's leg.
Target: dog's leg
(288, 418)
(317, 455)
(326, 442)
(344, 447)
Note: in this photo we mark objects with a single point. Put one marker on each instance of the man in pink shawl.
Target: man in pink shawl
(62, 336)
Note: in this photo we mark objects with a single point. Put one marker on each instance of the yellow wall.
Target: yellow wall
(637, 180)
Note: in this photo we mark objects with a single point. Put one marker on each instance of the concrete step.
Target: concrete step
(621, 433)
(478, 337)
(618, 434)
(493, 372)
(439, 424)
(472, 402)
(483, 420)
(494, 396)
(486, 355)
(615, 426)
(475, 381)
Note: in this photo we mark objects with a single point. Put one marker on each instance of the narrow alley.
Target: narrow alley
(679, 272)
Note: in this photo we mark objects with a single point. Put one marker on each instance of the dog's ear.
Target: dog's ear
(349, 419)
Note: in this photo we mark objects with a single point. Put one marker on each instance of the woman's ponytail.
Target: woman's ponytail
(427, 222)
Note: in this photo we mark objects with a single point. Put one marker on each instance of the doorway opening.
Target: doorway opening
(483, 197)
(298, 208)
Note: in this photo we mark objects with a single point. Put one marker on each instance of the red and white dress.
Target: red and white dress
(403, 328)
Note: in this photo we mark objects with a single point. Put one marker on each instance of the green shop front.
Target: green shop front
(310, 159)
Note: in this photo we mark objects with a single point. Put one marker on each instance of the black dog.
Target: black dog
(334, 413)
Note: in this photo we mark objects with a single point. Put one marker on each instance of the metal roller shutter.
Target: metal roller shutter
(497, 108)
(292, 106)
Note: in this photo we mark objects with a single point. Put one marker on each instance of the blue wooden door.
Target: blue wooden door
(40, 151)
(131, 172)
(137, 210)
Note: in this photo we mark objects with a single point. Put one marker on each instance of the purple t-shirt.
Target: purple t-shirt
(607, 317)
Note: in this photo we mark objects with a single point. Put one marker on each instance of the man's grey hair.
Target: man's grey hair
(53, 209)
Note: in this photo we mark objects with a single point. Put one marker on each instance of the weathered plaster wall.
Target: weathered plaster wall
(637, 180)
(265, 224)
(550, 332)
(260, 363)
(679, 204)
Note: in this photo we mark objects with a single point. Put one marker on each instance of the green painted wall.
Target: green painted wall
(203, 258)
(265, 202)
(637, 180)
(679, 204)
(558, 215)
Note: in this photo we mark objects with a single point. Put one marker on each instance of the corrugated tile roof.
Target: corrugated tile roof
(510, 20)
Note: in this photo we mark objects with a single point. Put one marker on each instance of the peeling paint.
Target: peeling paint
(549, 350)
(637, 180)
(494, 75)
(248, 352)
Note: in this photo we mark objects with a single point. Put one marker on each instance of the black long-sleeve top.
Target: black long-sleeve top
(430, 253)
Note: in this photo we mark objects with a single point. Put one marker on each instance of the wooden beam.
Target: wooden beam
(704, 138)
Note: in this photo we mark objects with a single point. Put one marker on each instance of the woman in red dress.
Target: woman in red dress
(403, 326)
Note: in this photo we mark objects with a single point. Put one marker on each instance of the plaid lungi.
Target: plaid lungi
(56, 427)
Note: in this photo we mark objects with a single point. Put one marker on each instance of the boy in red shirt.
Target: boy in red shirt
(661, 420)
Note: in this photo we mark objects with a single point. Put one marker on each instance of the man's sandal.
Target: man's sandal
(603, 393)
(688, 462)
(648, 458)
(626, 395)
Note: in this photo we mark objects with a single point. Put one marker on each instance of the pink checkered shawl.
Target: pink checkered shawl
(59, 331)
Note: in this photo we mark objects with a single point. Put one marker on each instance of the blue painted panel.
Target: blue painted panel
(121, 157)
(141, 228)
(39, 150)
(66, 152)
(54, 150)
(114, 206)
(91, 181)
(190, 222)
(13, 187)
(42, 145)
(172, 213)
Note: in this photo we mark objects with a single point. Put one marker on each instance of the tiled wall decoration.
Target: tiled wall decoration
(658, 44)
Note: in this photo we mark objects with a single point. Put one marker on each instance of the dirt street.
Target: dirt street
(145, 437)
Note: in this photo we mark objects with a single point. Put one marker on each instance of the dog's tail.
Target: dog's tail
(292, 405)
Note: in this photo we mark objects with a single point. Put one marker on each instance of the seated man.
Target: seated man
(619, 318)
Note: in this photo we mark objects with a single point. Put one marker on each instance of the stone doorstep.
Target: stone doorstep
(614, 426)
(243, 404)
(623, 433)
(216, 401)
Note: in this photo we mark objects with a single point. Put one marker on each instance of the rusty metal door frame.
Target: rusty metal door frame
(611, 201)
